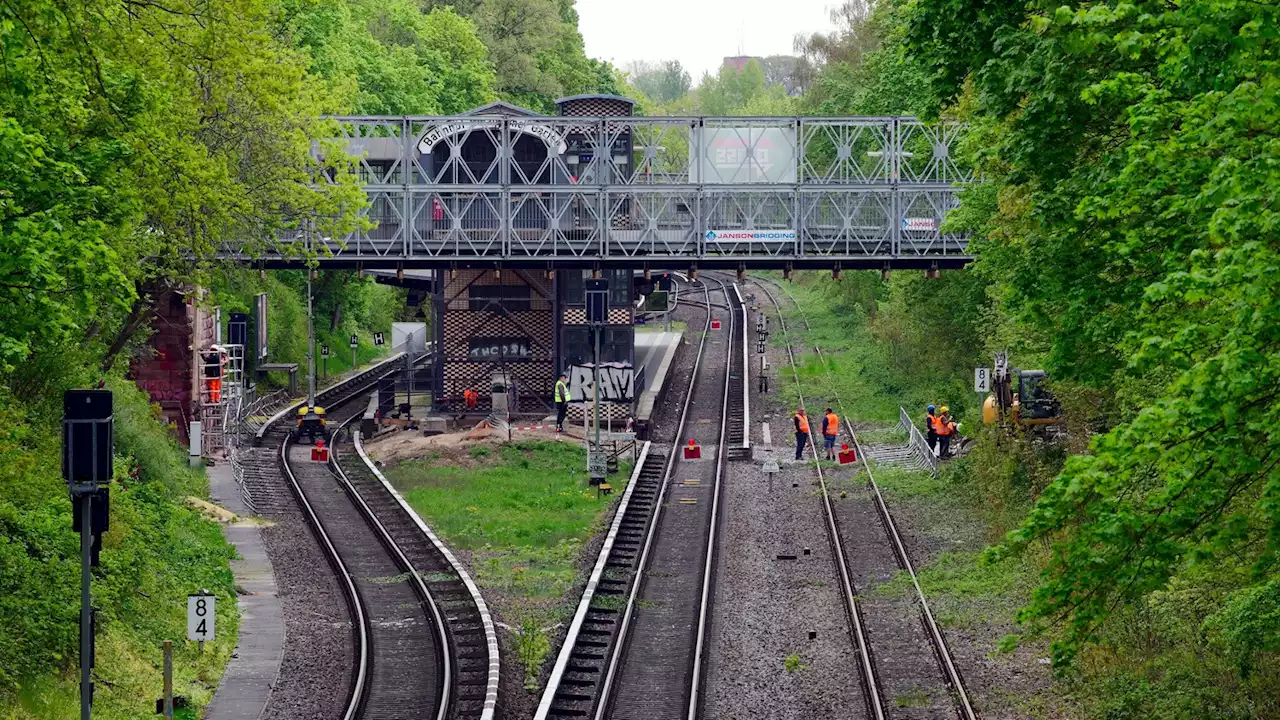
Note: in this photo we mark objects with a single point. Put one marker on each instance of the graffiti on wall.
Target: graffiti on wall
(617, 383)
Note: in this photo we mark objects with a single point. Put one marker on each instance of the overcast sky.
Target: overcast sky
(698, 33)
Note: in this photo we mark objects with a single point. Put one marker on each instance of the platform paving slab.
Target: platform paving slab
(246, 685)
(656, 351)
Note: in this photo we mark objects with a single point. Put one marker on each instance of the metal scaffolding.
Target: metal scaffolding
(715, 192)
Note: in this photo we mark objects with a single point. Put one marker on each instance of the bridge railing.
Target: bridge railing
(491, 187)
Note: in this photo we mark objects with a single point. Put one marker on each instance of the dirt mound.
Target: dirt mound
(456, 446)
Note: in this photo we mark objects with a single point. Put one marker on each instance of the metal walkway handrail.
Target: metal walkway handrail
(919, 446)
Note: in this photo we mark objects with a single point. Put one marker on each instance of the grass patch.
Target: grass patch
(913, 699)
(792, 663)
(524, 511)
(884, 436)
(964, 591)
(157, 550)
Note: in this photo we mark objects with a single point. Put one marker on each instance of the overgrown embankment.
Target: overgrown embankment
(156, 552)
(521, 516)
(1203, 646)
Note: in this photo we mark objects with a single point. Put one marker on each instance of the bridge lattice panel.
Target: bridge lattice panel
(536, 191)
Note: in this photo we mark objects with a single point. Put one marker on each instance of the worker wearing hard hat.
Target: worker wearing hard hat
(945, 427)
(931, 433)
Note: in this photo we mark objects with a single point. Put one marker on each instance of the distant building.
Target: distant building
(739, 62)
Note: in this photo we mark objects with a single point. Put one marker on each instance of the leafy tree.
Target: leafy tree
(854, 36)
(741, 92)
(389, 58)
(155, 131)
(663, 81)
(789, 71)
(1134, 145)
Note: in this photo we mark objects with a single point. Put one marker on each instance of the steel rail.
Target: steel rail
(486, 618)
(362, 625)
(939, 642)
(442, 633)
(875, 702)
(606, 687)
(722, 457)
(349, 388)
(360, 380)
(746, 374)
(588, 594)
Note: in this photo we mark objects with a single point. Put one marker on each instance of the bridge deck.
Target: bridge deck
(575, 191)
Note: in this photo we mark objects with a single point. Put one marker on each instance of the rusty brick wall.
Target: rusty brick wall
(164, 370)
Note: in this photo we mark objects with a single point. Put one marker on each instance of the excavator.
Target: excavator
(1032, 406)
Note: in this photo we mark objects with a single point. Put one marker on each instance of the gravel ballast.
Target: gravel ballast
(765, 608)
(315, 670)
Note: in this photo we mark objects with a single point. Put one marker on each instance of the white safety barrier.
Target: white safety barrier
(920, 452)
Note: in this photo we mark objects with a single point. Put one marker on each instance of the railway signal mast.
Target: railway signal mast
(88, 442)
(597, 312)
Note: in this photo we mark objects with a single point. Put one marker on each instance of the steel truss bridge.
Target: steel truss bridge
(711, 192)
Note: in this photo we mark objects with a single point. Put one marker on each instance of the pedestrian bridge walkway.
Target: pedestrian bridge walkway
(536, 191)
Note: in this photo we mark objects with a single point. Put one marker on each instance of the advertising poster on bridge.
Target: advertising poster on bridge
(745, 155)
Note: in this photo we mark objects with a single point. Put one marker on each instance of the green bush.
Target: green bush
(155, 553)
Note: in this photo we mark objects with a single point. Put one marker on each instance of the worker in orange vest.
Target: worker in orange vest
(830, 431)
(802, 432)
(471, 397)
(945, 428)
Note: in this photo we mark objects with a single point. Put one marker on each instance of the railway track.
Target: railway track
(425, 647)
(903, 656)
(634, 646)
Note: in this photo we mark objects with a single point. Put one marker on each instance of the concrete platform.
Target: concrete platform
(245, 687)
(656, 352)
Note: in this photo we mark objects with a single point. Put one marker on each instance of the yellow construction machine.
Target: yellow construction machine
(311, 424)
(1032, 405)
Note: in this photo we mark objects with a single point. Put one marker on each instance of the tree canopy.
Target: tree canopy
(1135, 154)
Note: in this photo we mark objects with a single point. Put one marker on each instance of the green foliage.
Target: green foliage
(390, 58)
(523, 512)
(536, 51)
(156, 552)
(1128, 228)
(529, 493)
(663, 82)
(344, 305)
(909, 342)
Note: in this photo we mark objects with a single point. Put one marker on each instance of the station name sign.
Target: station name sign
(548, 135)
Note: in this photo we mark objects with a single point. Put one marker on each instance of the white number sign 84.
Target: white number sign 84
(200, 617)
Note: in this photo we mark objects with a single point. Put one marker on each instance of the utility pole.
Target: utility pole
(595, 383)
(597, 316)
(408, 372)
(311, 347)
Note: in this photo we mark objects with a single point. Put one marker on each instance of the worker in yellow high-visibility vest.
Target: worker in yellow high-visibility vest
(562, 401)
